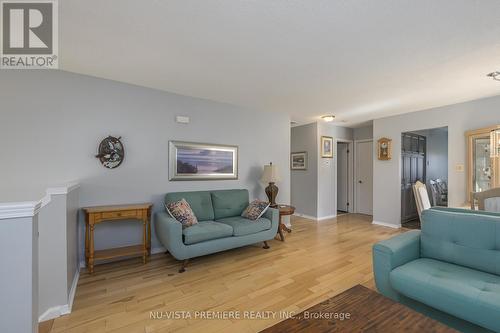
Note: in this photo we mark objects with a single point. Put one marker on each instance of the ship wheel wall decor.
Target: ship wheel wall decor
(111, 152)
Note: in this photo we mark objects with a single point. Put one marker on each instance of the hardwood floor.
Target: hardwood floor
(318, 260)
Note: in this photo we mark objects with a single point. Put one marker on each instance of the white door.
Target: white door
(364, 177)
(343, 176)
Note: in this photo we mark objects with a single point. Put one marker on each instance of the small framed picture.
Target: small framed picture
(298, 161)
(384, 149)
(327, 146)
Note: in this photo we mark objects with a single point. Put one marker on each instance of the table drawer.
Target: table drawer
(119, 214)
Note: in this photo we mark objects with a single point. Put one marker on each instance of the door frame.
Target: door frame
(355, 178)
(350, 176)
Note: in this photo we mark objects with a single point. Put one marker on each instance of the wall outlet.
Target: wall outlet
(459, 168)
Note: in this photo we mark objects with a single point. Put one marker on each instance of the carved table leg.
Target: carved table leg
(149, 230)
(91, 249)
(144, 242)
(87, 240)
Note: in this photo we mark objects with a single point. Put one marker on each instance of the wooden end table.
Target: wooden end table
(96, 215)
(285, 210)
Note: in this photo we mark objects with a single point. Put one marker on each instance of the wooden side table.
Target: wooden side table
(285, 210)
(96, 215)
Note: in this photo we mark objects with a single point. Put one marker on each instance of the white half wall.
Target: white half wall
(459, 118)
(52, 122)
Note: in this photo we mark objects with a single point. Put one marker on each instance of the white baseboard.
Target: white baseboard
(305, 216)
(327, 217)
(314, 217)
(385, 224)
(72, 291)
(60, 310)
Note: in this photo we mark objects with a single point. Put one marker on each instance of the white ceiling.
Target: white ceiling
(357, 59)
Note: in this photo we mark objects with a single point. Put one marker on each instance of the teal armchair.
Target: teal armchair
(450, 270)
(220, 226)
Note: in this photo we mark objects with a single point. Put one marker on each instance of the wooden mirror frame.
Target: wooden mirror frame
(495, 163)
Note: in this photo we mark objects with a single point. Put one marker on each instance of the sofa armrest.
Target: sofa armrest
(391, 253)
(169, 233)
(273, 214)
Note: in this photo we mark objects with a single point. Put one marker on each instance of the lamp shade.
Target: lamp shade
(271, 174)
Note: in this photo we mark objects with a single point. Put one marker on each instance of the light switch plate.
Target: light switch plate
(459, 168)
(182, 119)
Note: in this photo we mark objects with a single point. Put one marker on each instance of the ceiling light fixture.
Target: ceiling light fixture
(328, 118)
(494, 75)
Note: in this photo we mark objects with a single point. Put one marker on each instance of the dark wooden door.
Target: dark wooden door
(413, 162)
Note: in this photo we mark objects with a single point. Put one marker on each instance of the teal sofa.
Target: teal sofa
(220, 226)
(449, 271)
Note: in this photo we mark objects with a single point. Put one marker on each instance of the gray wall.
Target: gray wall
(363, 133)
(57, 120)
(459, 118)
(19, 275)
(327, 169)
(52, 254)
(304, 184)
(72, 252)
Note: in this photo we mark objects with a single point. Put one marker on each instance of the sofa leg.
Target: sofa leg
(184, 265)
(265, 245)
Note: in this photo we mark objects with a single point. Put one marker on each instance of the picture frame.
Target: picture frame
(202, 161)
(384, 149)
(298, 160)
(326, 147)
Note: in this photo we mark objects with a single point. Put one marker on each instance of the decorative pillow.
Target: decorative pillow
(182, 212)
(255, 210)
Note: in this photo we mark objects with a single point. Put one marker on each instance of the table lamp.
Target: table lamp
(271, 176)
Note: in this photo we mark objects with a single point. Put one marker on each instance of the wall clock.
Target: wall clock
(384, 149)
(111, 152)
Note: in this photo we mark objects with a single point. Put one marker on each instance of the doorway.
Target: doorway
(364, 177)
(413, 161)
(424, 158)
(343, 177)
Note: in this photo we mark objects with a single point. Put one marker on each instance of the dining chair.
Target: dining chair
(421, 197)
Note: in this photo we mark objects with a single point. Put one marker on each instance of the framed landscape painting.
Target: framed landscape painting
(201, 161)
(298, 161)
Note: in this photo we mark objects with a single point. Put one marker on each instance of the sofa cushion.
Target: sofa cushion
(229, 203)
(255, 210)
(206, 230)
(200, 202)
(182, 212)
(242, 226)
(460, 291)
(466, 239)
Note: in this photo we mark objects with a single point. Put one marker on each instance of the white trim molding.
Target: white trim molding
(326, 217)
(388, 225)
(61, 310)
(305, 216)
(15, 210)
(59, 190)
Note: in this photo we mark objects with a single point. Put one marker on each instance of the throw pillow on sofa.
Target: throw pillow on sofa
(182, 212)
(255, 210)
